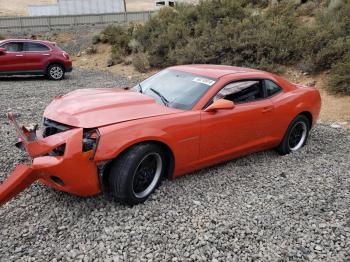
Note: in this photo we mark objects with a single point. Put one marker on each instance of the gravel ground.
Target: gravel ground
(260, 207)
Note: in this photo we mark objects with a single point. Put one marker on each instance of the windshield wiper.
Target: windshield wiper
(140, 88)
(164, 100)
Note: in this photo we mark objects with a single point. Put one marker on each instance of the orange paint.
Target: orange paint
(197, 138)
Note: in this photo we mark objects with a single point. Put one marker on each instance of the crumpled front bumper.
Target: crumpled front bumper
(72, 172)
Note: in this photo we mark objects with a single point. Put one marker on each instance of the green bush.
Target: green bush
(119, 37)
(134, 46)
(140, 62)
(339, 78)
(221, 32)
(309, 8)
(329, 39)
(116, 36)
(96, 39)
(259, 3)
(117, 54)
(1, 37)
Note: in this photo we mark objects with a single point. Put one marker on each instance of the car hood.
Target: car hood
(89, 108)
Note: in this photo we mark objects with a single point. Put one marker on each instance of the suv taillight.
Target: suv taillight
(65, 55)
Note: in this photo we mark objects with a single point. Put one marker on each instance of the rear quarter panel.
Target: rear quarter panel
(289, 104)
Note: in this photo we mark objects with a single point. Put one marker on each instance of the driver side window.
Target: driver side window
(242, 91)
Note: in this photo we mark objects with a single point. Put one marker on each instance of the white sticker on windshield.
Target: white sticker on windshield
(205, 81)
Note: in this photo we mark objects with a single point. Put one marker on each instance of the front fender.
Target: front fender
(112, 143)
(180, 132)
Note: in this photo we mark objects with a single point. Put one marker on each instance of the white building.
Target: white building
(162, 3)
(78, 7)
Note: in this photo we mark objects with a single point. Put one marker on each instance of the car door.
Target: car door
(241, 130)
(13, 60)
(37, 55)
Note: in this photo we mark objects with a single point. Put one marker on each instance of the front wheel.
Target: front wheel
(56, 72)
(296, 135)
(137, 173)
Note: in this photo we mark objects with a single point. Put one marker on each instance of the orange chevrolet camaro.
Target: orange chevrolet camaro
(124, 142)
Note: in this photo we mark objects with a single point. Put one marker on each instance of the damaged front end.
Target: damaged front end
(61, 157)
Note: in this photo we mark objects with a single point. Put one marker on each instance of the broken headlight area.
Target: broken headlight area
(58, 151)
(90, 141)
(52, 128)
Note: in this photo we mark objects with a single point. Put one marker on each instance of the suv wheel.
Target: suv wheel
(55, 72)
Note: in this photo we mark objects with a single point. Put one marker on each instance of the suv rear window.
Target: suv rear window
(36, 47)
(13, 47)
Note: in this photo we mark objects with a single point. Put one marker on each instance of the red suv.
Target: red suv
(32, 57)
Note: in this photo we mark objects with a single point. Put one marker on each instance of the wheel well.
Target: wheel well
(308, 115)
(55, 63)
(170, 163)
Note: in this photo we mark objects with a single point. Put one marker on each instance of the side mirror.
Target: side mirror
(2, 51)
(221, 104)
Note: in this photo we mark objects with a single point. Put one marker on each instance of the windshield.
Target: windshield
(175, 89)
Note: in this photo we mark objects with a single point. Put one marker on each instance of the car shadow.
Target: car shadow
(22, 78)
(25, 78)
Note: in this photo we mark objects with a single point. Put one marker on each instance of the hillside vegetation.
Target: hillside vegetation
(314, 36)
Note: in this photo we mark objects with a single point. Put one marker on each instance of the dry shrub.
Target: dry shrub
(140, 62)
(339, 78)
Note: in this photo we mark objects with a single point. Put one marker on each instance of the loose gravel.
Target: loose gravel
(260, 207)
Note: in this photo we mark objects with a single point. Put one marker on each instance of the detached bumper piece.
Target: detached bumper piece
(70, 170)
(22, 177)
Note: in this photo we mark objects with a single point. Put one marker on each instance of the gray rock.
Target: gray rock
(311, 83)
(110, 62)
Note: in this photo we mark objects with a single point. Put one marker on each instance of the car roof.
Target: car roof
(27, 40)
(213, 71)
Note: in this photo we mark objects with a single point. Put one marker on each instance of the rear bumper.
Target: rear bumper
(72, 172)
(68, 65)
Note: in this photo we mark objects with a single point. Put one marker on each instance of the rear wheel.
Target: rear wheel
(137, 173)
(56, 72)
(296, 135)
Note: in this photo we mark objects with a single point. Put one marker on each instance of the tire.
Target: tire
(136, 173)
(296, 135)
(56, 72)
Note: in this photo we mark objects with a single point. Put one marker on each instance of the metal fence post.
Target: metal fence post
(49, 23)
(21, 24)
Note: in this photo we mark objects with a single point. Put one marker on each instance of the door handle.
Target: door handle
(46, 54)
(19, 55)
(267, 109)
